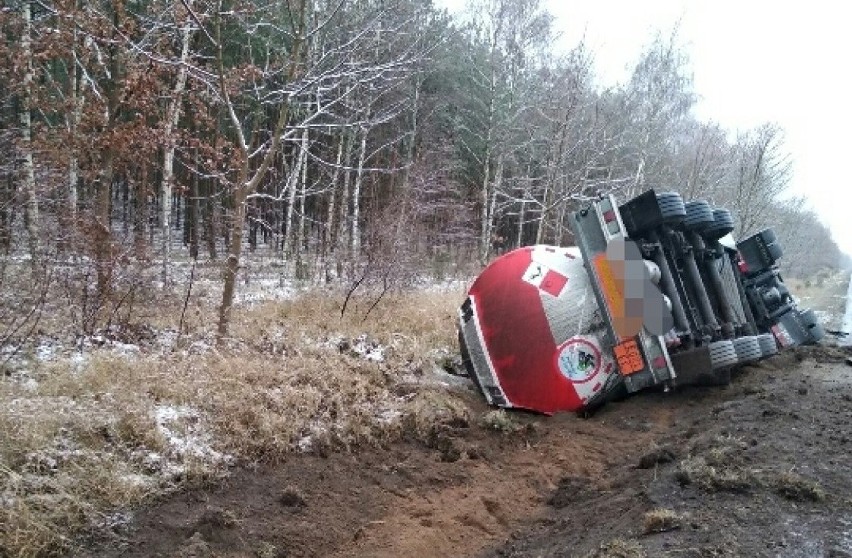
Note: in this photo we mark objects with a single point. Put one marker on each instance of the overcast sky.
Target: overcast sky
(753, 61)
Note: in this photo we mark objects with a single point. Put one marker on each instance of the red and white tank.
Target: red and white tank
(533, 334)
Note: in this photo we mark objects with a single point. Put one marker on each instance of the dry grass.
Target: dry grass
(719, 467)
(618, 548)
(661, 520)
(92, 437)
(797, 488)
(696, 471)
(500, 421)
(431, 413)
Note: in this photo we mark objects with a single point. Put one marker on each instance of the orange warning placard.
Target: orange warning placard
(629, 357)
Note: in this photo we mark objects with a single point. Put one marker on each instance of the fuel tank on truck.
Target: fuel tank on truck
(532, 335)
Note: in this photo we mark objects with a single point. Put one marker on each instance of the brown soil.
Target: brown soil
(760, 468)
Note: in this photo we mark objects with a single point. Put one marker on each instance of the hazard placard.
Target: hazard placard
(629, 357)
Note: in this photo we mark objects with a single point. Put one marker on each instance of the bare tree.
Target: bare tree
(170, 124)
(32, 206)
(250, 176)
(761, 171)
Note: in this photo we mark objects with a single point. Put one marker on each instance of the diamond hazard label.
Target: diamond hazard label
(545, 279)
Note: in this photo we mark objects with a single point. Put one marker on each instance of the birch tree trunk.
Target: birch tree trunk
(356, 195)
(522, 212)
(292, 183)
(103, 229)
(492, 204)
(32, 220)
(77, 99)
(484, 241)
(344, 227)
(555, 162)
(409, 151)
(330, 236)
(103, 236)
(303, 194)
(172, 116)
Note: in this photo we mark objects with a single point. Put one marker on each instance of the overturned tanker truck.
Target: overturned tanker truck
(655, 293)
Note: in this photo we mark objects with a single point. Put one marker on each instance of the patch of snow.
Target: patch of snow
(200, 347)
(137, 480)
(126, 349)
(261, 290)
(369, 350)
(305, 443)
(847, 317)
(45, 352)
(846, 533)
(181, 426)
(30, 385)
(116, 521)
(166, 339)
(445, 286)
(78, 361)
(388, 416)
(307, 440)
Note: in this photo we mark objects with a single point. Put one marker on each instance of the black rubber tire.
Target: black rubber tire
(748, 349)
(808, 317)
(723, 218)
(768, 345)
(768, 236)
(723, 223)
(722, 354)
(699, 215)
(817, 332)
(671, 207)
(775, 251)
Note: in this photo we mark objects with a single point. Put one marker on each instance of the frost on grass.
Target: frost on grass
(262, 290)
(93, 426)
(361, 346)
(187, 439)
(369, 350)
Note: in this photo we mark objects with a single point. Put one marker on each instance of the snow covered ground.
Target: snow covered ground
(847, 317)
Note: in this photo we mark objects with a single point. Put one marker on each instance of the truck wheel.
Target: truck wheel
(747, 348)
(671, 207)
(723, 223)
(768, 236)
(809, 317)
(775, 251)
(698, 215)
(768, 346)
(817, 332)
(722, 354)
(812, 324)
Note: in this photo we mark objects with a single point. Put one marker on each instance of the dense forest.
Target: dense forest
(348, 140)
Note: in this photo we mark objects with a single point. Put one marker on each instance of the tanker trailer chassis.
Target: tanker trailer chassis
(655, 293)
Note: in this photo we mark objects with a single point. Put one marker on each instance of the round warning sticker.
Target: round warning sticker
(579, 359)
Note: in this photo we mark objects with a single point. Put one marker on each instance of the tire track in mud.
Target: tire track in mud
(760, 468)
(405, 500)
(507, 492)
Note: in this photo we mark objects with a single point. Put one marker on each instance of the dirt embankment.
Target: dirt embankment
(760, 468)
